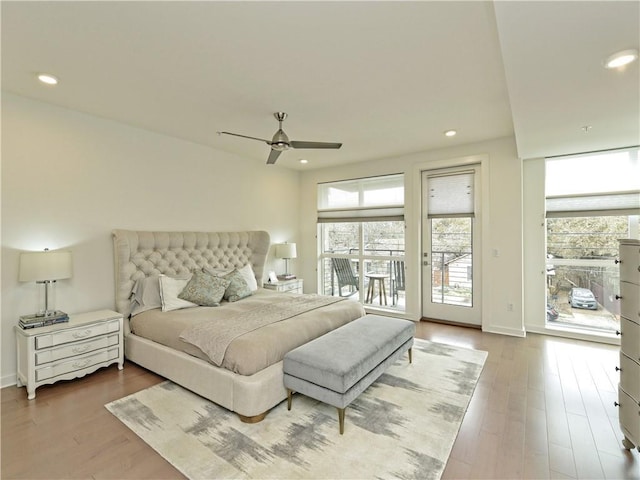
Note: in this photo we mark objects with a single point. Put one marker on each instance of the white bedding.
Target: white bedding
(255, 349)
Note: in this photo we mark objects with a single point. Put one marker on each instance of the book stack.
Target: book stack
(286, 276)
(34, 321)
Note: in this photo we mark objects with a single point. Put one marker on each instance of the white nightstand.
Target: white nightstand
(69, 350)
(293, 286)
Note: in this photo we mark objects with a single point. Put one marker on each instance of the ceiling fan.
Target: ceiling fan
(280, 142)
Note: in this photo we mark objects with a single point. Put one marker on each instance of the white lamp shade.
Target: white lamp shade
(286, 250)
(41, 266)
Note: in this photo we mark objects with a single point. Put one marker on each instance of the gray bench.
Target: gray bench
(340, 365)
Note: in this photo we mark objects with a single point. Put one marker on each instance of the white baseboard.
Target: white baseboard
(8, 380)
(513, 332)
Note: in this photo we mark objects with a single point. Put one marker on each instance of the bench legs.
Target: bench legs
(340, 410)
(341, 420)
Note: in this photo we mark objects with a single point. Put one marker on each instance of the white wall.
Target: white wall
(69, 179)
(534, 242)
(502, 207)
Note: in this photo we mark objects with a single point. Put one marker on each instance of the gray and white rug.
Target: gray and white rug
(402, 426)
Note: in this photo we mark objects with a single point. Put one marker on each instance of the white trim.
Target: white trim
(513, 332)
(576, 334)
(388, 312)
(8, 380)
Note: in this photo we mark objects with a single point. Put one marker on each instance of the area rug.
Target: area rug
(403, 426)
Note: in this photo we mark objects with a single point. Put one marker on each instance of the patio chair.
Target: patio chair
(346, 277)
(397, 279)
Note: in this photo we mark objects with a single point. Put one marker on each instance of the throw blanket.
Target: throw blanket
(213, 337)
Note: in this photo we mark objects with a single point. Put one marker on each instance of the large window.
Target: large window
(361, 230)
(592, 201)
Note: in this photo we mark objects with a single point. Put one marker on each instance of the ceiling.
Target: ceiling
(383, 78)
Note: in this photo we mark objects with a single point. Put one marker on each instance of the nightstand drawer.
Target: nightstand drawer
(293, 286)
(76, 364)
(74, 349)
(76, 334)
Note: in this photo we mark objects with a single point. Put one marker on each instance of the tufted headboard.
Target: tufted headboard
(141, 254)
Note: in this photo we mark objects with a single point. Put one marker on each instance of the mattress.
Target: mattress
(257, 349)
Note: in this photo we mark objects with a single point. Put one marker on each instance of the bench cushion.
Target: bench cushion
(339, 359)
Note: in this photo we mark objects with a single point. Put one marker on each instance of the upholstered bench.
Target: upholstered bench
(340, 365)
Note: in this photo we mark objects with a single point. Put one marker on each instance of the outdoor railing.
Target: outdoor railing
(378, 261)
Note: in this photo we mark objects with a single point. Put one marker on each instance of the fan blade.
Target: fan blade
(273, 156)
(245, 136)
(299, 144)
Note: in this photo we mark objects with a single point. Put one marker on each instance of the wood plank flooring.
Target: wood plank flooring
(543, 408)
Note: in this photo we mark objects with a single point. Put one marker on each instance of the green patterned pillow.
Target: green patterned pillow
(237, 288)
(204, 289)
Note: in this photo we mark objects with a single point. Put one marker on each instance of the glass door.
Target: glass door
(450, 240)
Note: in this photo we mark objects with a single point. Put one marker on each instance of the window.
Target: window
(361, 231)
(591, 202)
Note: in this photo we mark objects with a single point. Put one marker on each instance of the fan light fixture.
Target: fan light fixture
(620, 59)
(48, 78)
(280, 141)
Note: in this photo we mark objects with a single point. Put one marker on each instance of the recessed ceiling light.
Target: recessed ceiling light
(620, 59)
(304, 160)
(48, 79)
(450, 133)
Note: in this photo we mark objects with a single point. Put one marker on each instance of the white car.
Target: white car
(582, 298)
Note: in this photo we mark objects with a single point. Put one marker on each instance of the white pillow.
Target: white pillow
(170, 288)
(249, 277)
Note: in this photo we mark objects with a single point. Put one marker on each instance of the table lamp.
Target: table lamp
(286, 251)
(45, 268)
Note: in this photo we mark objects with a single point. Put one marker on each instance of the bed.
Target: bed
(249, 379)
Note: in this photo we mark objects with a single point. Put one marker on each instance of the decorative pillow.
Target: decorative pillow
(145, 295)
(237, 288)
(249, 276)
(170, 287)
(204, 289)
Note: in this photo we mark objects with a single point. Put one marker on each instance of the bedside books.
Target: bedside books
(34, 321)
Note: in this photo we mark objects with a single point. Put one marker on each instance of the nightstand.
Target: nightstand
(69, 350)
(293, 286)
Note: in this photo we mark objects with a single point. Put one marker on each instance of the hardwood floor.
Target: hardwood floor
(543, 408)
